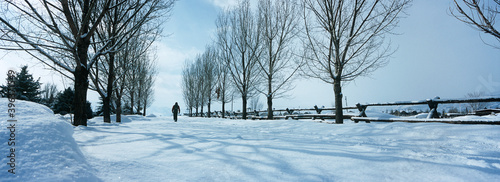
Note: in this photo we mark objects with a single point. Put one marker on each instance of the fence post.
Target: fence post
(361, 109)
(318, 110)
(433, 107)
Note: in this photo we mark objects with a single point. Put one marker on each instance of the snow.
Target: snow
(202, 149)
(44, 148)
(491, 117)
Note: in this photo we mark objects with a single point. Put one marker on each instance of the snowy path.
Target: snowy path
(194, 149)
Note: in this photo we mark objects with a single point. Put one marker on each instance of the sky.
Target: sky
(436, 55)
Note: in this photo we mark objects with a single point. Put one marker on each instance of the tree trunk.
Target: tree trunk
(337, 89)
(106, 111)
(201, 113)
(209, 102)
(118, 109)
(81, 79)
(132, 102)
(106, 101)
(118, 102)
(223, 98)
(244, 99)
(223, 109)
(139, 94)
(270, 107)
(144, 110)
(270, 97)
(80, 98)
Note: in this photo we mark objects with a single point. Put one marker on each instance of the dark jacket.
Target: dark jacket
(176, 108)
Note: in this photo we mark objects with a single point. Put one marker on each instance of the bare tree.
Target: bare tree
(148, 85)
(476, 105)
(481, 16)
(279, 28)
(345, 39)
(124, 23)
(137, 63)
(199, 80)
(49, 93)
(239, 37)
(223, 89)
(188, 86)
(200, 85)
(133, 66)
(209, 74)
(255, 103)
(194, 85)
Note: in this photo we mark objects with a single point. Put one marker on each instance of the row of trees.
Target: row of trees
(199, 81)
(257, 50)
(61, 102)
(95, 43)
(252, 54)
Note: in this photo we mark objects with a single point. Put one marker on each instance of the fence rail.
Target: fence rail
(290, 113)
(432, 103)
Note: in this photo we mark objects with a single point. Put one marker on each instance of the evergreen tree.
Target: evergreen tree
(127, 108)
(100, 110)
(64, 102)
(26, 87)
(90, 113)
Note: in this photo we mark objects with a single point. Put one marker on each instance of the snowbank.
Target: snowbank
(44, 147)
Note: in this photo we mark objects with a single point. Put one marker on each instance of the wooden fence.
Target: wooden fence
(362, 116)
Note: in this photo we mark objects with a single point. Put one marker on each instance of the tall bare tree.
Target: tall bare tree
(223, 88)
(188, 86)
(279, 28)
(481, 16)
(148, 84)
(200, 85)
(209, 74)
(345, 39)
(239, 37)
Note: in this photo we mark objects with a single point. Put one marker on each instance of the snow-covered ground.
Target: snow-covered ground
(42, 144)
(200, 149)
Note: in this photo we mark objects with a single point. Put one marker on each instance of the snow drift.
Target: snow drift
(44, 147)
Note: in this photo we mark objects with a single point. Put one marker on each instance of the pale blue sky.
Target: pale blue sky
(437, 56)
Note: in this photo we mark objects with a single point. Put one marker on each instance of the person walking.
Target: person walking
(176, 109)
